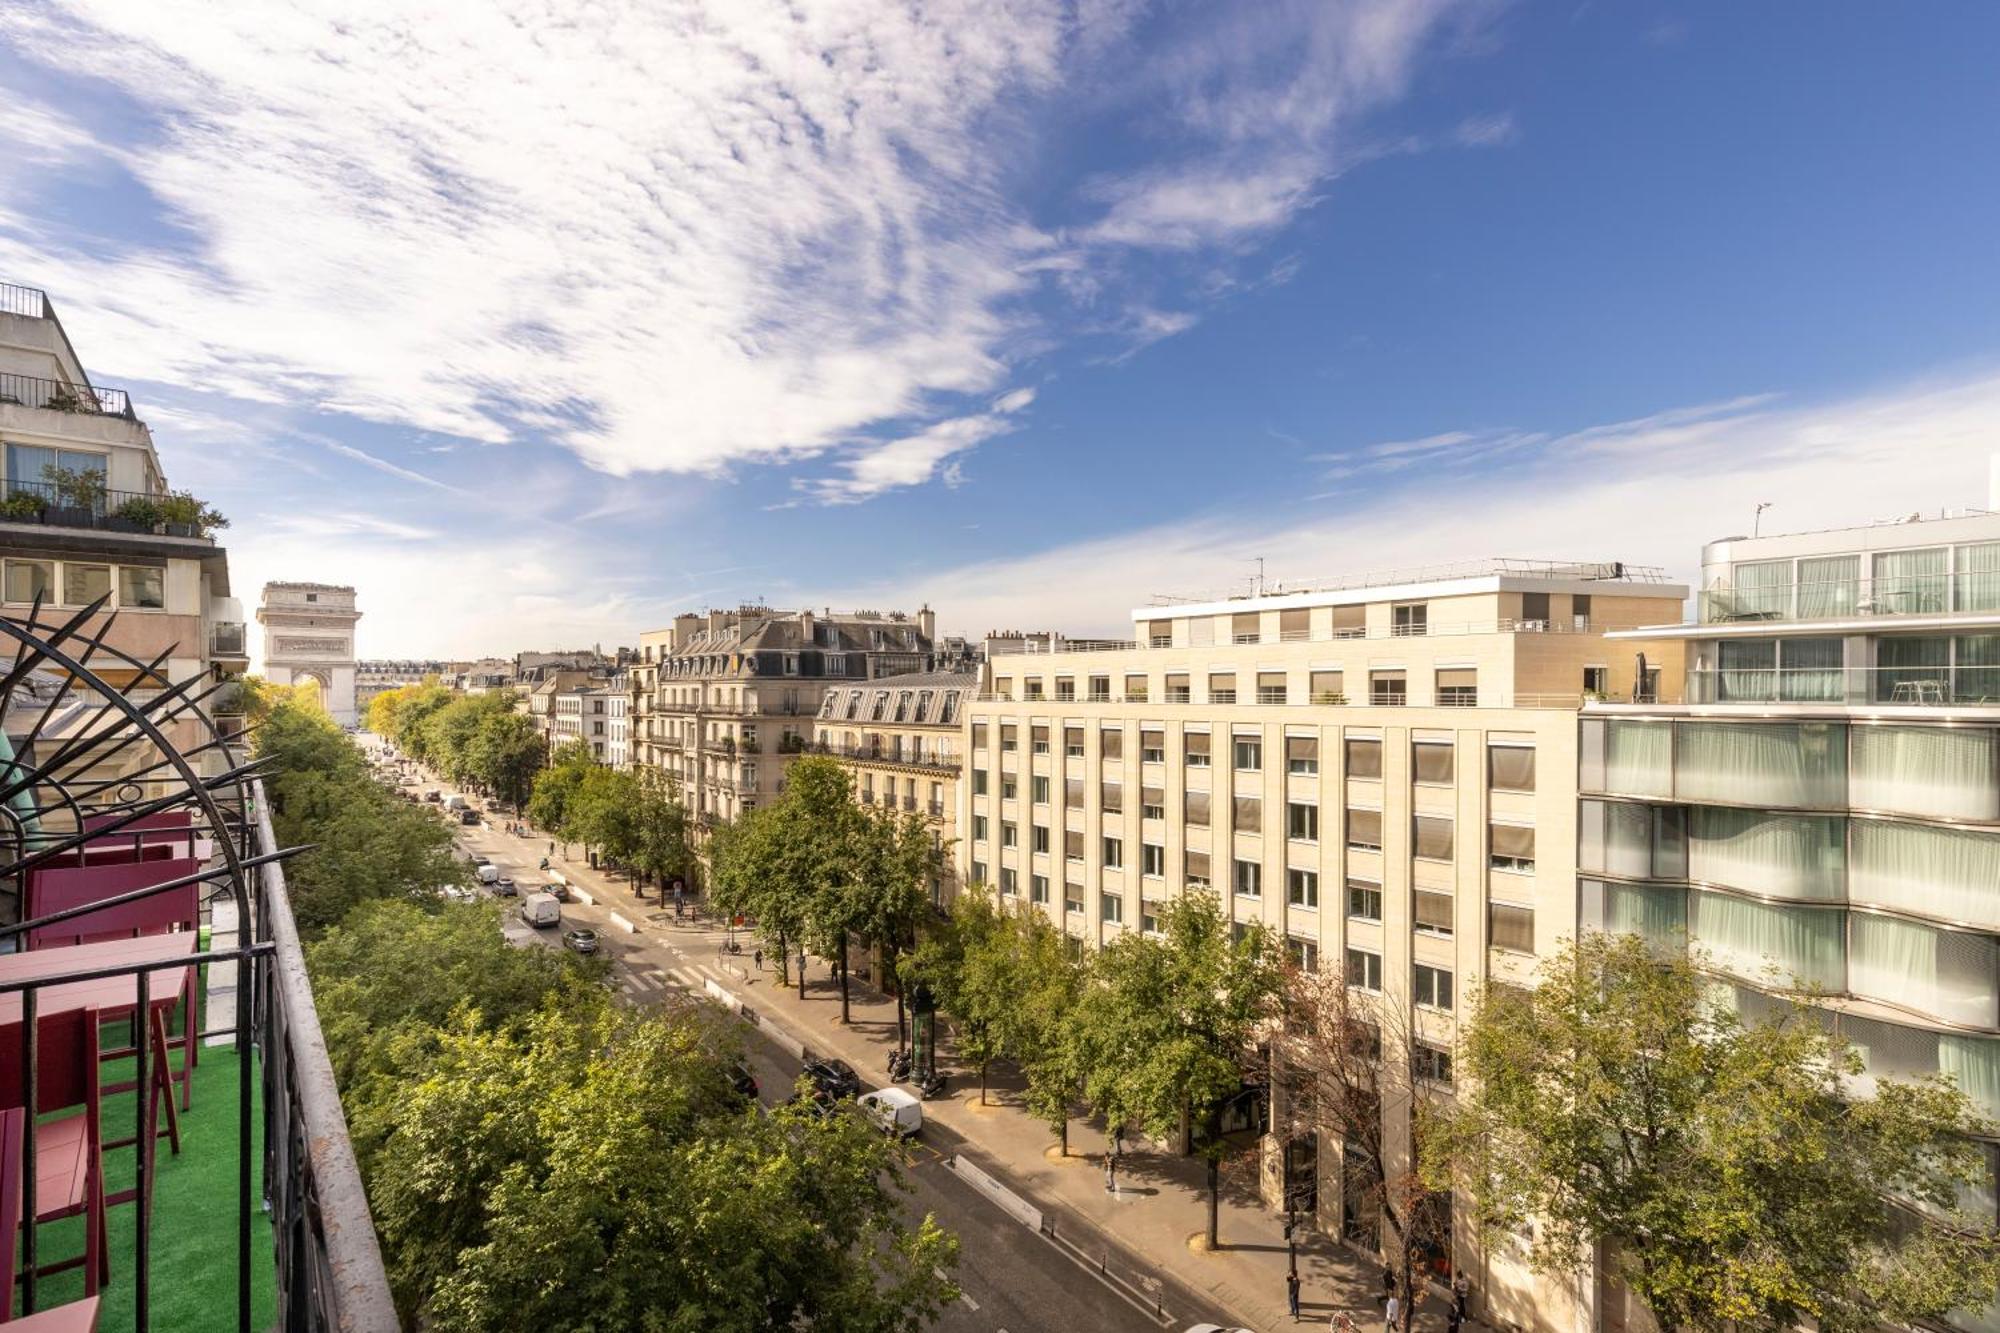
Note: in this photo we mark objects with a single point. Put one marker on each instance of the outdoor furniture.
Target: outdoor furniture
(114, 998)
(51, 891)
(1917, 692)
(69, 1149)
(172, 829)
(73, 1317)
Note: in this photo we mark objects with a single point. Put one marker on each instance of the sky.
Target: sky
(541, 321)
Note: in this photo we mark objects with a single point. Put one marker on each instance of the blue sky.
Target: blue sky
(539, 331)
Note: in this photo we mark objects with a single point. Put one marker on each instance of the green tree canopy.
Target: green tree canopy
(557, 785)
(1733, 1172)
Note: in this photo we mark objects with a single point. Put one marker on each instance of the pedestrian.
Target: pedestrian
(1390, 1309)
(1110, 1174)
(1388, 1284)
(758, 958)
(1460, 1291)
(552, 849)
(1292, 1294)
(1453, 1317)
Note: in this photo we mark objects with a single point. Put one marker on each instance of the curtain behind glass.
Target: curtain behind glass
(1788, 945)
(1749, 669)
(1811, 671)
(1888, 1051)
(1978, 578)
(1656, 913)
(1912, 669)
(1944, 974)
(1758, 763)
(1976, 678)
(1941, 872)
(1638, 758)
(1974, 1063)
(25, 463)
(1777, 855)
(1910, 581)
(1763, 590)
(1827, 585)
(1941, 771)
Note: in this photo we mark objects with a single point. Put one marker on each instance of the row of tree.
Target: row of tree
(817, 871)
(477, 741)
(538, 1156)
(634, 818)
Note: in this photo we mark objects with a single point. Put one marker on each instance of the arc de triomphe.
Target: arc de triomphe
(309, 635)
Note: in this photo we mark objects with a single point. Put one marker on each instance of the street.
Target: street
(1013, 1278)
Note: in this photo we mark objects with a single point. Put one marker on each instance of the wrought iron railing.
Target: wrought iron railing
(62, 396)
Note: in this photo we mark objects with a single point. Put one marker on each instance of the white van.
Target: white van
(454, 802)
(894, 1111)
(487, 872)
(541, 910)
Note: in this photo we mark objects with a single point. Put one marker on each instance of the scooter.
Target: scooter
(899, 1066)
(932, 1086)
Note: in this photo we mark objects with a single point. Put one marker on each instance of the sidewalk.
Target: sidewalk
(1157, 1217)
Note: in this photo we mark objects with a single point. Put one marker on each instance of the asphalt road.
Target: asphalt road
(1014, 1280)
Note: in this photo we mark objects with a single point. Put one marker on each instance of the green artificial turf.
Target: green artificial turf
(193, 1236)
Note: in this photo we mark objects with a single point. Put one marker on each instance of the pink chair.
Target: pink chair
(69, 1149)
(74, 1317)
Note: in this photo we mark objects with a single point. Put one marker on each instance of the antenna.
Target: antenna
(1757, 520)
(1257, 585)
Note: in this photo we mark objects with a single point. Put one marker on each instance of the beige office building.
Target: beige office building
(1383, 772)
(902, 738)
(724, 702)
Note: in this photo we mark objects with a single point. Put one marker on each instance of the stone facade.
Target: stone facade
(309, 635)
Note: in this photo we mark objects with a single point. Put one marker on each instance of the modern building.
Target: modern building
(379, 677)
(1822, 808)
(87, 517)
(1378, 770)
(555, 704)
(902, 737)
(593, 713)
(309, 636)
(730, 696)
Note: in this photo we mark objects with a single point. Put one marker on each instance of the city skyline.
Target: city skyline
(1351, 287)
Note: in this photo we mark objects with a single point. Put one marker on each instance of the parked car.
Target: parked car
(504, 887)
(541, 911)
(833, 1079)
(580, 941)
(894, 1111)
(557, 889)
(434, 796)
(468, 816)
(487, 872)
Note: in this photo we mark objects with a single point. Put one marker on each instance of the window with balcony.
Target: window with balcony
(1301, 821)
(1388, 689)
(1243, 627)
(1511, 847)
(1100, 689)
(1135, 689)
(1178, 689)
(1364, 830)
(1364, 757)
(1066, 687)
(1031, 688)
(1159, 633)
(1407, 619)
(1364, 900)
(1294, 625)
(1364, 969)
(1457, 687)
(1302, 888)
(1911, 582)
(1271, 687)
(1431, 987)
(1003, 688)
(1326, 688)
(1222, 687)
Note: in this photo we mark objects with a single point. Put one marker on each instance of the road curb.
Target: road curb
(619, 921)
(1009, 1202)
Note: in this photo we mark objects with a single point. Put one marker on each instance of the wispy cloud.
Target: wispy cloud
(912, 459)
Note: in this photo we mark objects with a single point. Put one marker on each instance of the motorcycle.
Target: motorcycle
(932, 1086)
(899, 1066)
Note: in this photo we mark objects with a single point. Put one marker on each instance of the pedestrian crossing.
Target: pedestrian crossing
(647, 983)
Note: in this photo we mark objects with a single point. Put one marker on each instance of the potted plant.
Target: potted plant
(185, 516)
(141, 513)
(79, 496)
(22, 507)
(63, 398)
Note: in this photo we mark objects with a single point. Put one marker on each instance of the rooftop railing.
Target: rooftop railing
(62, 396)
(1505, 625)
(1934, 686)
(1572, 570)
(1924, 594)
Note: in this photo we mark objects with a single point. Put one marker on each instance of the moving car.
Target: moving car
(487, 872)
(540, 911)
(468, 816)
(833, 1079)
(557, 888)
(504, 887)
(580, 941)
(895, 1111)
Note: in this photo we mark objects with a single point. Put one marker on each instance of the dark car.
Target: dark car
(580, 941)
(833, 1079)
(557, 890)
(504, 887)
(468, 816)
(742, 1081)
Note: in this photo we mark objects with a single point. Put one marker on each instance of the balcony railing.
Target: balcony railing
(916, 758)
(62, 396)
(29, 301)
(1901, 685)
(1504, 625)
(45, 503)
(1838, 599)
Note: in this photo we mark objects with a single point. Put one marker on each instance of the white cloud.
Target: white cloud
(880, 466)
(1496, 130)
(1649, 491)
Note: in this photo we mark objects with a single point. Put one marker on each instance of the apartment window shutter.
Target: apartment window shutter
(1041, 735)
(1270, 687)
(1244, 624)
(1196, 742)
(1114, 798)
(1364, 758)
(1512, 767)
(1150, 739)
(1451, 677)
(1515, 840)
(1433, 837)
(1073, 793)
(1364, 827)
(1111, 744)
(1294, 624)
(1302, 748)
(1248, 814)
(1433, 910)
(1153, 795)
(1197, 864)
(1433, 761)
(1197, 807)
(1325, 686)
(1221, 686)
(1073, 843)
(1349, 621)
(979, 735)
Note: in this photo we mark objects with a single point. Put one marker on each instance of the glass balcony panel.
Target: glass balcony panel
(1781, 946)
(1751, 763)
(1778, 855)
(1947, 772)
(1948, 873)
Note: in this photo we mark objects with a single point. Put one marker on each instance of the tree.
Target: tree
(969, 964)
(596, 1173)
(1165, 1026)
(788, 864)
(556, 785)
(1732, 1172)
(507, 753)
(886, 894)
(1042, 1037)
(1347, 1066)
(663, 849)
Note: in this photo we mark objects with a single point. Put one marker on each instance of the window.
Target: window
(1159, 633)
(1110, 908)
(1364, 900)
(1303, 953)
(1113, 798)
(1065, 687)
(1432, 987)
(1271, 687)
(1152, 859)
(1073, 743)
(1512, 846)
(881, 706)
(1195, 745)
(1073, 844)
(1511, 927)
(1149, 917)
(1003, 687)
(1364, 969)
(978, 782)
(32, 464)
(1010, 739)
(1114, 853)
(1073, 898)
(1039, 739)
(1249, 754)
(1326, 687)
(1100, 689)
(1510, 767)
(29, 579)
(1302, 888)
(1302, 821)
(1302, 755)
(1410, 619)
(1364, 830)
(1010, 834)
(1009, 886)
(1364, 757)
(1152, 747)
(1152, 803)
(1457, 687)
(84, 584)
(1247, 877)
(1597, 680)
(1039, 785)
(139, 586)
(979, 875)
(1222, 687)
(1243, 627)
(1432, 761)
(979, 828)
(1178, 689)
(1196, 869)
(1038, 888)
(1010, 787)
(1111, 744)
(1031, 688)
(1430, 1062)
(1432, 836)
(1041, 838)
(1073, 793)
(1388, 689)
(1431, 913)
(903, 697)
(1135, 689)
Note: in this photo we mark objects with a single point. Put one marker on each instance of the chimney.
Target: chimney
(927, 618)
(806, 628)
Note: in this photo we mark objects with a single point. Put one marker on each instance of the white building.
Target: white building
(618, 724)
(309, 635)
